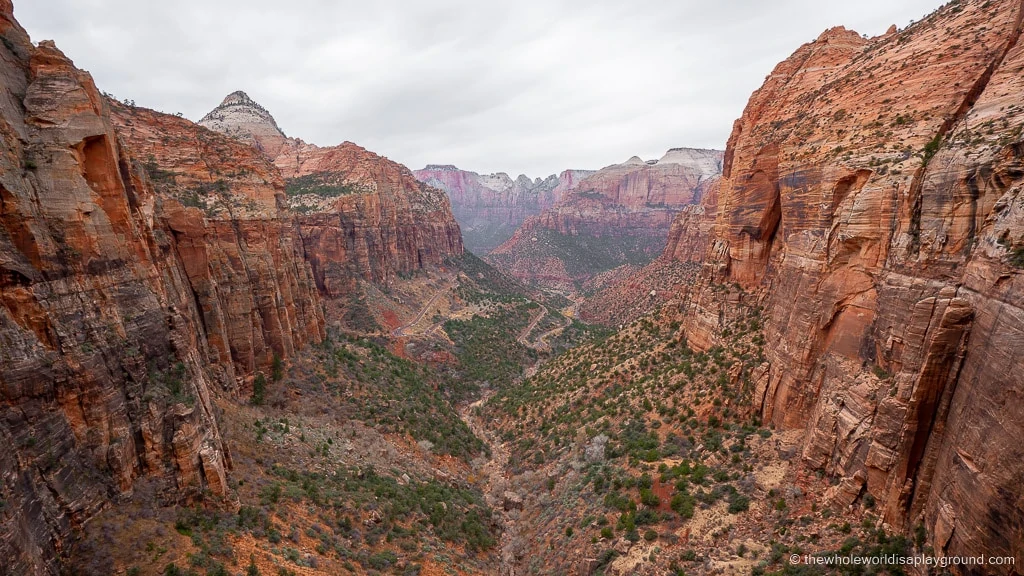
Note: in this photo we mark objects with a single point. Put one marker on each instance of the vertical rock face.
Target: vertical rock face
(692, 228)
(102, 376)
(359, 214)
(621, 214)
(490, 207)
(223, 204)
(871, 199)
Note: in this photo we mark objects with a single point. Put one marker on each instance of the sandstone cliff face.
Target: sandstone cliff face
(621, 214)
(360, 215)
(223, 204)
(490, 207)
(871, 200)
(102, 364)
(692, 228)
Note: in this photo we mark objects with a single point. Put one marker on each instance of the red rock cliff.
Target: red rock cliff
(360, 215)
(490, 207)
(224, 206)
(871, 199)
(384, 223)
(102, 359)
(620, 214)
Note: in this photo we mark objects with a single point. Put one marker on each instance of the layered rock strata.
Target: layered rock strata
(871, 201)
(490, 207)
(621, 214)
(103, 376)
(360, 215)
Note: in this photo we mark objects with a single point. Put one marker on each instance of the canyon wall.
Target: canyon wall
(103, 375)
(223, 205)
(871, 201)
(149, 265)
(360, 215)
(619, 215)
(490, 207)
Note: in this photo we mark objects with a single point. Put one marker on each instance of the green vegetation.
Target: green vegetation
(170, 383)
(402, 511)
(397, 395)
(157, 174)
(877, 544)
(259, 389)
(358, 317)
(931, 148)
(322, 184)
(354, 505)
(584, 254)
(490, 282)
(677, 440)
(486, 345)
(1015, 255)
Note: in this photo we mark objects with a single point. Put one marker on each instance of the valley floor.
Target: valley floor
(457, 423)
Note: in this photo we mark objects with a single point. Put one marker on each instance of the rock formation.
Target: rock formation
(619, 215)
(490, 207)
(147, 265)
(240, 117)
(360, 215)
(871, 202)
(241, 248)
(103, 376)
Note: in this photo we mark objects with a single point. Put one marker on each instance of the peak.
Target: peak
(634, 160)
(444, 167)
(837, 33)
(239, 116)
(696, 151)
(237, 97)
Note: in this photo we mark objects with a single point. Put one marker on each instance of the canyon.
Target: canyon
(221, 346)
(619, 215)
(490, 207)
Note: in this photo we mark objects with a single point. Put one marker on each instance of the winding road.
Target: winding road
(540, 342)
(403, 330)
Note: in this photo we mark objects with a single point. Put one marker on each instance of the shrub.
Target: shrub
(682, 504)
(259, 389)
(738, 503)
(649, 498)
(932, 147)
(276, 369)
(382, 560)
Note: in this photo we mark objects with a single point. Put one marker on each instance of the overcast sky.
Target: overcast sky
(518, 86)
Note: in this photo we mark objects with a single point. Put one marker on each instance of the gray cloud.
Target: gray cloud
(529, 86)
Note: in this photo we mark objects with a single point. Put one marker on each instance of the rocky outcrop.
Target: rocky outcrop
(103, 375)
(619, 215)
(240, 117)
(490, 207)
(871, 201)
(360, 215)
